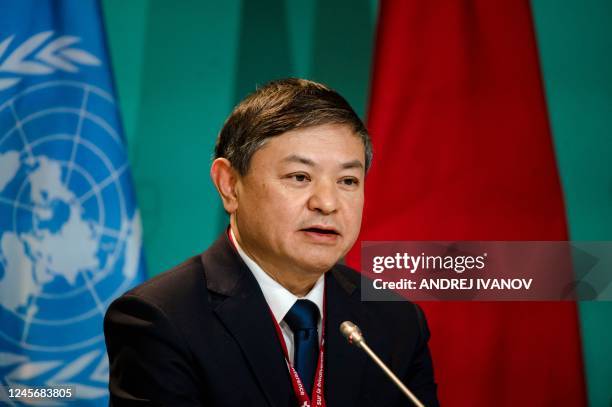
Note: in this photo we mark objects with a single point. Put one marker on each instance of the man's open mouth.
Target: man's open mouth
(321, 231)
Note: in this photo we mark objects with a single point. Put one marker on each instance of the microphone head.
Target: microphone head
(352, 333)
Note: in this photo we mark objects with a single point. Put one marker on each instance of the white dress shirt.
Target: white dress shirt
(279, 299)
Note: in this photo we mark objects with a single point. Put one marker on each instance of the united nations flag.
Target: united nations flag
(70, 234)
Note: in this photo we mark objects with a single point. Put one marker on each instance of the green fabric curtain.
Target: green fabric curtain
(575, 45)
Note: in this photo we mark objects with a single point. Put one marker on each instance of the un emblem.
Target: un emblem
(70, 235)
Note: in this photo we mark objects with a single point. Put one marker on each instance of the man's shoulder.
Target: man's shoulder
(196, 283)
(181, 283)
(346, 276)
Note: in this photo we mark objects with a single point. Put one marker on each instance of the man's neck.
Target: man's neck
(298, 284)
(297, 288)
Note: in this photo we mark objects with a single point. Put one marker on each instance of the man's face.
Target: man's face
(299, 206)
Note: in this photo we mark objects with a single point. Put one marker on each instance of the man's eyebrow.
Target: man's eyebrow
(294, 158)
(352, 164)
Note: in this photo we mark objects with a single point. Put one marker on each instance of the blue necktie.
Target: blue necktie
(302, 318)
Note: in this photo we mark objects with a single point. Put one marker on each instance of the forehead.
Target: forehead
(322, 143)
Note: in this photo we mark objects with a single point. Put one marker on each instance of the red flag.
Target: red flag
(463, 151)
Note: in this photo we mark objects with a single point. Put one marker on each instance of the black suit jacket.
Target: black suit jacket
(202, 334)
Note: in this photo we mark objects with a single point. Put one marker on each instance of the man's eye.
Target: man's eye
(349, 181)
(299, 177)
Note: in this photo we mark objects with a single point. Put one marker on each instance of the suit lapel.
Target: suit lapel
(345, 362)
(246, 316)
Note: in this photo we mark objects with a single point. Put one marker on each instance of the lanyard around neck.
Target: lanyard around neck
(316, 398)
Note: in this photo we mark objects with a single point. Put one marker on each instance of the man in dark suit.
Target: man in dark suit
(254, 320)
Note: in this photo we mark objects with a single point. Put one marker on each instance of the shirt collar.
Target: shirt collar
(279, 299)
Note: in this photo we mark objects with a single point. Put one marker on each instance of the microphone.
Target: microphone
(355, 337)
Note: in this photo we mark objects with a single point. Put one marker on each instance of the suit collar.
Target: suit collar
(223, 267)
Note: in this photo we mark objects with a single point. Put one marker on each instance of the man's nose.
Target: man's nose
(324, 198)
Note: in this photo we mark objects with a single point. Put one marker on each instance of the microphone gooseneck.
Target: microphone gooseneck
(354, 336)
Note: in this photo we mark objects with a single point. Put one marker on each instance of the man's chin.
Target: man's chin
(314, 257)
(318, 267)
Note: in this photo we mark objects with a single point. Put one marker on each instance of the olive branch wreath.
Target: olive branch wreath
(39, 56)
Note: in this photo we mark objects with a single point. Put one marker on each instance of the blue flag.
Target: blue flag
(70, 234)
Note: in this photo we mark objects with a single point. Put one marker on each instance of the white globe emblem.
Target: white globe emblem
(70, 235)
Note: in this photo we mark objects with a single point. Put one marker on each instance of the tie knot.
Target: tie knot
(303, 315)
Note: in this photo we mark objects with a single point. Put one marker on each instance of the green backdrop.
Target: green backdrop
(180, 66)
(575, 44)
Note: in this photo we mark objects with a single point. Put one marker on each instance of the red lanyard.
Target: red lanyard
(316, 399)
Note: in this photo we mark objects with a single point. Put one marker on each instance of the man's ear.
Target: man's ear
(225, 177)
